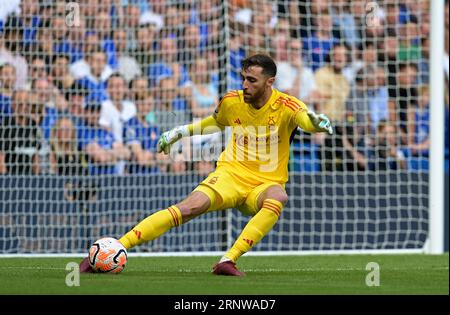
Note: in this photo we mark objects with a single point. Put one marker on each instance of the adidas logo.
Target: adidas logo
(138, 234)
(249, 242)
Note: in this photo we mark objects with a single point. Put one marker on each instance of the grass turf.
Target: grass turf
(346, 274)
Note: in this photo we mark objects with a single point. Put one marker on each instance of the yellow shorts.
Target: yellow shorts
(229, 190)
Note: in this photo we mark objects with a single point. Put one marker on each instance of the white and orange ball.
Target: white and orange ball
(107, 255)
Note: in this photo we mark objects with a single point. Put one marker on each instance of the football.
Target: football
(107, 255)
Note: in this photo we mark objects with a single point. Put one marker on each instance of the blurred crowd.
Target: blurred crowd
(87, 86)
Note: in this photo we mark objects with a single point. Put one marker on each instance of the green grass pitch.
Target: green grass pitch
(281, 275)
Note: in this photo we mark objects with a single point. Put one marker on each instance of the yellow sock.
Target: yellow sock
(256, 228)
(151, 227)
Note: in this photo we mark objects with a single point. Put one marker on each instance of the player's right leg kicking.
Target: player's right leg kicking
(160, 222)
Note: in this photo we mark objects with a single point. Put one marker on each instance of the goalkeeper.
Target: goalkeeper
(252, 170)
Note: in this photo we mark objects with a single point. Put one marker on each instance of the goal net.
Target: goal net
(87, 87)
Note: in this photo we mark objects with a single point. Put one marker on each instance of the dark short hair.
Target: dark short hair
(77, 88)
(264, 61)
(404, 65)
(116, 75)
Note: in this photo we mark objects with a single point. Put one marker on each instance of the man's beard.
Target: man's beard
(251, 99)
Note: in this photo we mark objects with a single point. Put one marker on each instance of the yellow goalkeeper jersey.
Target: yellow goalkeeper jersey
(259, 139)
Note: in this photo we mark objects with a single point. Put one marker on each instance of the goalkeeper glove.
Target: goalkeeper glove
(170, 137)
(321, 122)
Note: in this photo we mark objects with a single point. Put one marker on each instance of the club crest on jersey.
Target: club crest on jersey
(271, 121)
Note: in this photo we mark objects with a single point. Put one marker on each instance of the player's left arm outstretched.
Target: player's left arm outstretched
(309, 121)
(206, 126)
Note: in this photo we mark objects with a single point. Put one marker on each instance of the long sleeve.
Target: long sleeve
(206, 126)
(302, 120)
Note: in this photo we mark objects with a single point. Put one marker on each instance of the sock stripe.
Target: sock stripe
(174, 216)
(276, 212)
(272, 208)
(276, 204)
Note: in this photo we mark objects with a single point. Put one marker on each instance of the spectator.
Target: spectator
(255, 41)
(421, 142)
(93, 74)
(127, 65)
(29, 13)
(378, 98)
(190, 45)
(48, 95)
(62, 78)
(213, 61)
(7, 84)
(76, 34)
(332, 84)
(168, 65)
(346, 23)
(409, 42)
(145, 52)
(403, 100)
(202, 92)
(62, 44)
(357, 104)
(7, 8)
(38, 70)
(261, 13)
(45, 114)
(368, 100)
(49, 8)
(173, 24)
(394, 16)
(7, 80)
(208, 13)
(139, 89)
(155, 14)
(104, 153)
(367, 55)
(65, 157)
(423, 64)
(10, 49)
(44, 46)
(141, 136)
(116, 110)
(237, 54)
(92, 63)
(20, 137)
(301, 15)
(171, 107)
(317, 46)
(75, 97)
(385, 154)
(388, 58)
(280, 40)
(294, 77)
(131, 25)
(346, 150)
(102, 27)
